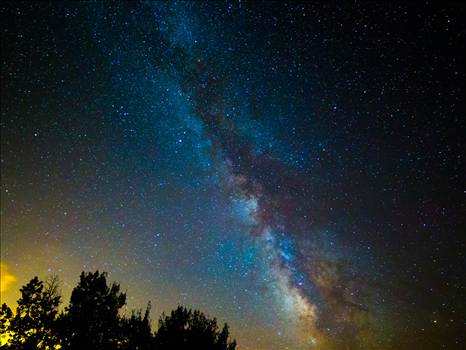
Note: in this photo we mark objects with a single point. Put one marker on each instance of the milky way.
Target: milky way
(293, 169)
(275, 202)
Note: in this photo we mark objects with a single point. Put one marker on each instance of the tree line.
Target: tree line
(92, 320)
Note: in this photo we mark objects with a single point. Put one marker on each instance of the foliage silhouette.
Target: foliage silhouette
(186, 329)
(33, 326)
(5, 318)
(136, 331)
(93, 321)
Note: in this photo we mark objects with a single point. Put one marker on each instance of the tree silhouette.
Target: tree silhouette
(136, 333)
(91, 320)
(5, 318)
(222, 339)
(187, 329)
(33, 325)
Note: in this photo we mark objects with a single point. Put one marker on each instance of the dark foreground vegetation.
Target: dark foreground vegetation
(93, 320)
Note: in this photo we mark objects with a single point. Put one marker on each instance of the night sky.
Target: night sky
(296, 170)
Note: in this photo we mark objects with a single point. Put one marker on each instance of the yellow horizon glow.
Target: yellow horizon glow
(7, 279)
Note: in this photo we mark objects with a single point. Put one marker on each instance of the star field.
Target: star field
(295, 169)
